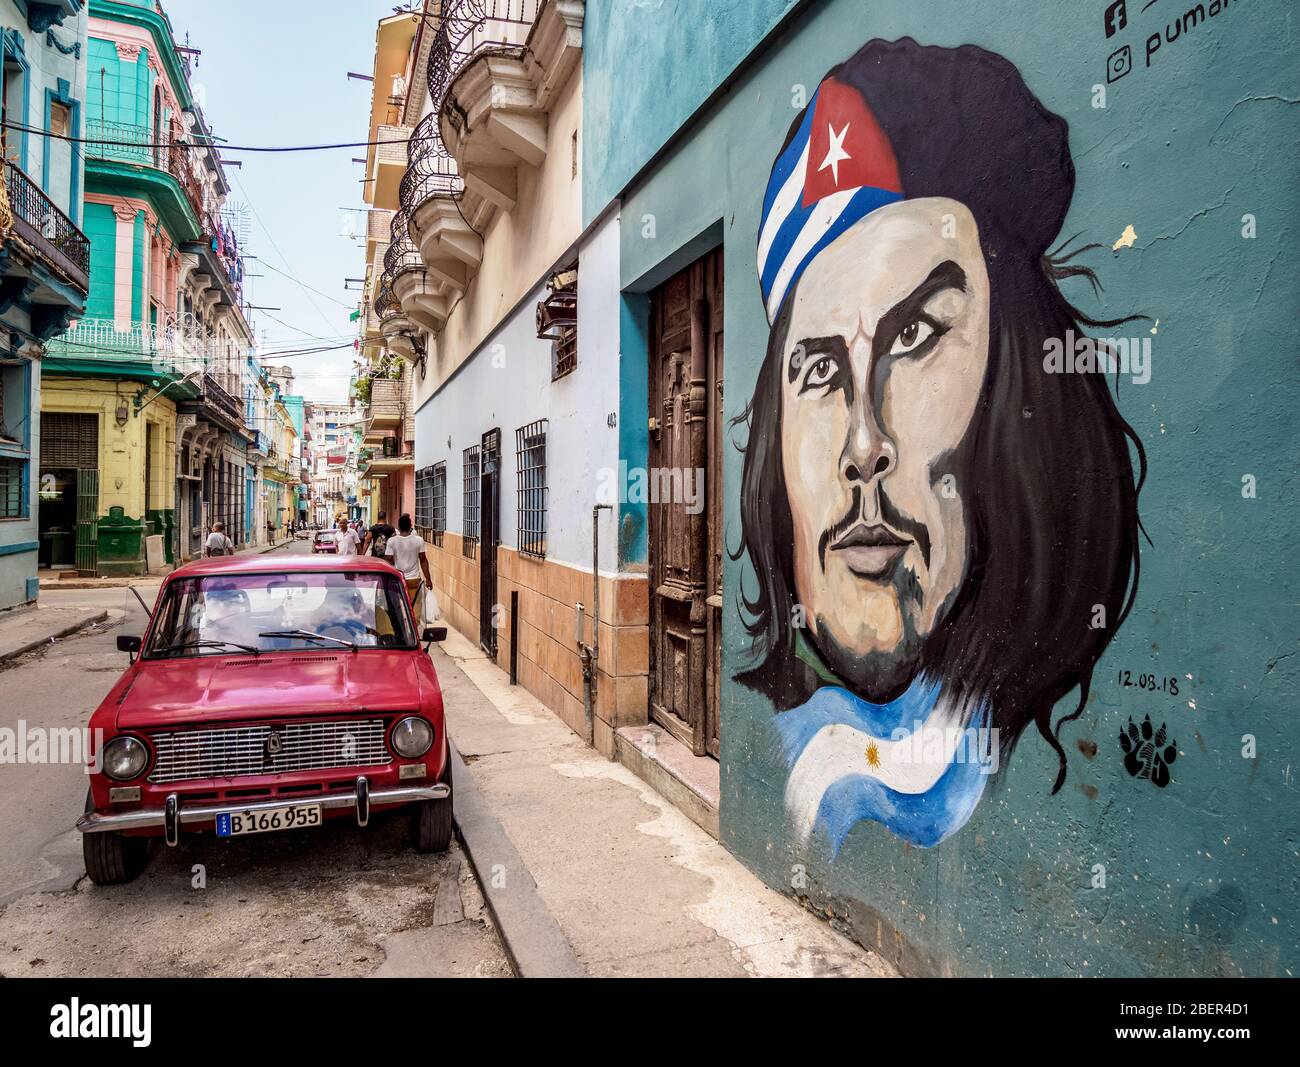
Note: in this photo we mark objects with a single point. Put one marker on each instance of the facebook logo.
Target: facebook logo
(1116, 18)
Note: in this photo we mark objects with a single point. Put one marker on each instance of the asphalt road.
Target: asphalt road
(335, 900)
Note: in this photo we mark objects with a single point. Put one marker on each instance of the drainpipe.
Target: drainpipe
(590, 654)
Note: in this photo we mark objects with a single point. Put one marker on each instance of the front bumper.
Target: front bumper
(171, 817)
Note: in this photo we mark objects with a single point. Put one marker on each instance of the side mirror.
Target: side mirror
(128, 643)
(434, 633)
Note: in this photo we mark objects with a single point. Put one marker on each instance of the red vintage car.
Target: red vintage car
(325, 541)
(268, 694)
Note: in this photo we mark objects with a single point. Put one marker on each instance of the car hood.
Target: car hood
(205, 689)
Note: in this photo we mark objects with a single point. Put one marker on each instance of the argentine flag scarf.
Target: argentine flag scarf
(910, 764)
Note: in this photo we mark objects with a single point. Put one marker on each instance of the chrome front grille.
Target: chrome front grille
(235, 751)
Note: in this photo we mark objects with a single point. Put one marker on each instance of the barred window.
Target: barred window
(424, 498)
(530, 467)
(473, 469)
(438, 503)
(12, 475)
(564, 353)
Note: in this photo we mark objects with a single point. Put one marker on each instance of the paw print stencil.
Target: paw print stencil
(1148, 752)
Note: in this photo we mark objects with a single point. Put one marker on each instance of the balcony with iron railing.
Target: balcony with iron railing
(465, 29)
(49, 232)
(119, 142)
(168, 349)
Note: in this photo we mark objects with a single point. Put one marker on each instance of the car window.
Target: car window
(215, 615)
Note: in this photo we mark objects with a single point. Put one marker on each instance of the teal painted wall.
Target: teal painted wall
(101, 228)
(139, 298)
(116, 91)
(1201, 877)
(658, 60)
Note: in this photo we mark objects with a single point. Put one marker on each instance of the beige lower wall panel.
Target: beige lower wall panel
(549, 665)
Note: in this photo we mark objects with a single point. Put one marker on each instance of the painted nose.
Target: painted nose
(868, 453)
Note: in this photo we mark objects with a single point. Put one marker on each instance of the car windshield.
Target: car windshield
(221, 614)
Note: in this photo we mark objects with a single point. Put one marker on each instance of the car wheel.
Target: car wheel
(113, 858)
(431, 822)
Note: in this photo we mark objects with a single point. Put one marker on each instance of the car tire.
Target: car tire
(431, 823)
(112, 858)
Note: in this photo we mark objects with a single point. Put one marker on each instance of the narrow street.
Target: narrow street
(334, 900)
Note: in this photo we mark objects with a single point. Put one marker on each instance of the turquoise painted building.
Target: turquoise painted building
(1008, 630)
(44, 255)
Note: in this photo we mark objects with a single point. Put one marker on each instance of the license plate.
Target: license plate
(290, 817)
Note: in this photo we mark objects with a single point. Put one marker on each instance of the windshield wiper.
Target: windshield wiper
(207, 644)
(309, 636)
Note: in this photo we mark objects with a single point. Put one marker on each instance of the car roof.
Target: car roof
(267, 564)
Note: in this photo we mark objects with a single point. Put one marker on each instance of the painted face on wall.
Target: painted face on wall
(884, 359)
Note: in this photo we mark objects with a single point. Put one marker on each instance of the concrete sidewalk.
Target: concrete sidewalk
(636, 888)
(50, 579)
(27, 629)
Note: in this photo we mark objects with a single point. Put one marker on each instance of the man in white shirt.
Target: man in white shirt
(218, 544)
(406, 550)
(348, 540)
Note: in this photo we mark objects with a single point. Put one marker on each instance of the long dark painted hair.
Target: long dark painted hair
(1045, 469)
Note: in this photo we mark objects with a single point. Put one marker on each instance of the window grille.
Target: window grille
(530, 468)
(473, 474)
(564, 353)
(424, 498)
(12, 474)
(431, 501)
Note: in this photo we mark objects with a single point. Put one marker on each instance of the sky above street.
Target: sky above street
(274, 73)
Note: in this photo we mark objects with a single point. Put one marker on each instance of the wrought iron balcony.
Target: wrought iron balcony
(464, 29)
(221, 398)
(121, 142)
(171, 348)
(467, 28)
(402, 254)
(430, 170)
(39, 222)
(385, 303)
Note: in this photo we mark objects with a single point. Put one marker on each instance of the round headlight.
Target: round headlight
(125, 757)
(412, 737)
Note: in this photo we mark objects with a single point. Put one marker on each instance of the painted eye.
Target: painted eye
(911, 337)
(820, 373)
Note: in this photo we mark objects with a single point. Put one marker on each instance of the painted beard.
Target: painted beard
(883, 674)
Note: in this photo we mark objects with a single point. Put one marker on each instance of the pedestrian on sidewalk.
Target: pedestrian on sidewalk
(218, 544)
(377, 537)
(406, 550)
(270, 532)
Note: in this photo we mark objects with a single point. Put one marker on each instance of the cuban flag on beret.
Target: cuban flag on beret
(838, 168)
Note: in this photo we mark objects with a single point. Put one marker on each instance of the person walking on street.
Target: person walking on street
(218, 544)
(406, 550)
(348, 539)
(377, 537)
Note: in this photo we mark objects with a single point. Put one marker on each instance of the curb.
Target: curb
(67, 631)
(533, 941)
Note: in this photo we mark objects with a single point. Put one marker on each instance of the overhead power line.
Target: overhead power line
(223, 146)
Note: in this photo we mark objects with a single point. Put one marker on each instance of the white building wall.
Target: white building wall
(507, 383)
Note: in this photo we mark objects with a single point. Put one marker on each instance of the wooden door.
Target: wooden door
(685, 517)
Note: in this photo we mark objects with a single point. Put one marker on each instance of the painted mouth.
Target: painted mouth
(869, 551)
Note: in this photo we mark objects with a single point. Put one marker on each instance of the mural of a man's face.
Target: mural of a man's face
(880, 376)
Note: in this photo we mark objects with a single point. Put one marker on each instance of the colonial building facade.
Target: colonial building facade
(144, 405)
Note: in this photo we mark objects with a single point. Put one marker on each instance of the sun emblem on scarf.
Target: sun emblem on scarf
(873, 755)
